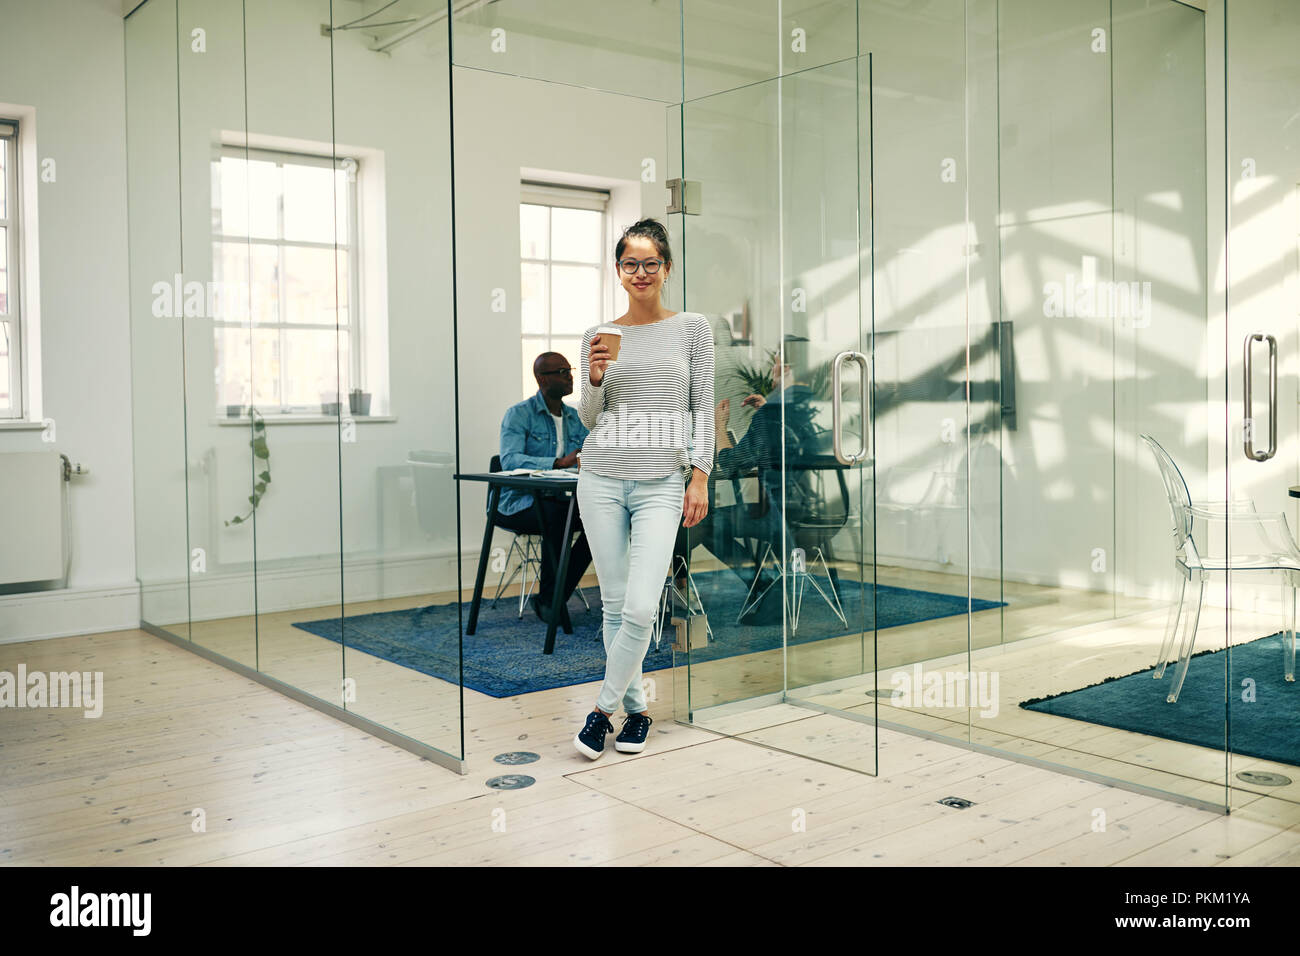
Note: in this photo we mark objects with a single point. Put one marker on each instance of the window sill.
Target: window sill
(14, 425)
(242, 422)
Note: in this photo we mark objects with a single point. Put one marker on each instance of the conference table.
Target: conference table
(538, 487)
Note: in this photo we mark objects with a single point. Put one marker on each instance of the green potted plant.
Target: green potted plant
(262, 458)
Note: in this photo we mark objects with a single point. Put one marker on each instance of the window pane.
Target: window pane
(4, 178)
(575, 235)
(532, 231)
(309, 286)
(233, 362)
(311, 373)
(5, 401)
(532, 302)
(4, 270)
(265, 375)
(247, 203)
(309, 205)
(231, 264)
(575, 298)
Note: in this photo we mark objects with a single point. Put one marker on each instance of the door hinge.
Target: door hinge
(684, 196)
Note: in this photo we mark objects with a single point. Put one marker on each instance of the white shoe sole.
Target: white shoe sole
(585, 750)
(626, 748)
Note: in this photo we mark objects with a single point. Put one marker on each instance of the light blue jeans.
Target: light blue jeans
(631, 526)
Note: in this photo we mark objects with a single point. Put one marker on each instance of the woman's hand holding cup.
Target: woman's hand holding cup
(604, 352)
(598, 359)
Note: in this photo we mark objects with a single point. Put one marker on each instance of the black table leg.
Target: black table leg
(493, 494)
(561, 572)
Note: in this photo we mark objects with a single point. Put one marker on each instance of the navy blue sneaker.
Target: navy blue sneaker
(591, 739)
(631, 739)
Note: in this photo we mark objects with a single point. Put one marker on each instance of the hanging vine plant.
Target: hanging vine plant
(262, 459)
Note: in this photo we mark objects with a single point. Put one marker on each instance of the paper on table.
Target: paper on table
(539, 472)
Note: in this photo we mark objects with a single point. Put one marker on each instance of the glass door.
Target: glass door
(1261, 299)
(773, 216)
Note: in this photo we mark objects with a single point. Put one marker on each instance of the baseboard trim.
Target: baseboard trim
(44, 615)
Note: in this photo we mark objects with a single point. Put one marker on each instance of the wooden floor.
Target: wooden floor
(280, 783)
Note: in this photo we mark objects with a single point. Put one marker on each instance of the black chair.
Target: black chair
(529, 552)
(810, 517)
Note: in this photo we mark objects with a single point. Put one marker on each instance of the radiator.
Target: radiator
(31, 517)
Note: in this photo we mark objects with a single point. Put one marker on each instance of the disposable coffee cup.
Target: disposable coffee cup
(612, 338)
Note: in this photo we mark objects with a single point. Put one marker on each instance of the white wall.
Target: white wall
(64, 58)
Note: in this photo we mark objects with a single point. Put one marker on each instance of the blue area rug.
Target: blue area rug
(1268, 727)
(504, 657)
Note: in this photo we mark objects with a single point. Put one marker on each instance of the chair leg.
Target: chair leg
(1171, 624)
(530, 560)
(1288, 636)
(750, 600)
(797, 579)
(1189, 638)
(506, 582)
(832, 599)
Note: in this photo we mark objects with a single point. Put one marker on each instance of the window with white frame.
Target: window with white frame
(562, 233)
(286, 264)
(11, 365)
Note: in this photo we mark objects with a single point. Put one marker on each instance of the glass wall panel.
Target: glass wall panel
(157, 380)
(220, 220)
(392, 196)
(300, 344)
(1259, 275)
(924, 433)
(264, 315)
(1104, 338)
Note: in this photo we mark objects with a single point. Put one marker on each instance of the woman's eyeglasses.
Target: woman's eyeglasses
(629, 266)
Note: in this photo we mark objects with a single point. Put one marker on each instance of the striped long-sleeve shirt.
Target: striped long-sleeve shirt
(652, 414)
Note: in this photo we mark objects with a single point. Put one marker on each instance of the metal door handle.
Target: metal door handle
(1249, 422)
(836, 403)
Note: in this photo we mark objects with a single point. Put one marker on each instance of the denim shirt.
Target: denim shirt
(528, 441)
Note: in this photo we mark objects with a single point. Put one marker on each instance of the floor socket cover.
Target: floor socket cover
(517, 757)
(1262, 779)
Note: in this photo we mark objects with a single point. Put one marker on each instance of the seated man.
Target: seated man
(782, 428)
(543, 432)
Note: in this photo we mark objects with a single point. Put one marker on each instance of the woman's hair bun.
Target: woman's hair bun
(651, 229)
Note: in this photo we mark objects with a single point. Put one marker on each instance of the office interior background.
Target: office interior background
(295, 259)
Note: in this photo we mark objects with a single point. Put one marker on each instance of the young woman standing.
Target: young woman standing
(645, 467)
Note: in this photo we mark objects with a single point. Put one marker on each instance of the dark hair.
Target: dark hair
(651, 229)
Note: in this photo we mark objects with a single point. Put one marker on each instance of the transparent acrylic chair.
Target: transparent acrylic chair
(1221, 536)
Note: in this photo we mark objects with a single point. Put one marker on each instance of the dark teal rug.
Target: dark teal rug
(505, 656)
(1267, 727)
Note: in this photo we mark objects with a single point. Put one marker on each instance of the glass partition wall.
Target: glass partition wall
(987, 280)
(292, 323)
